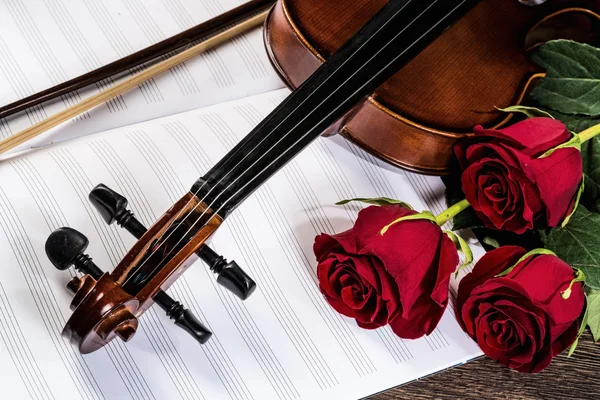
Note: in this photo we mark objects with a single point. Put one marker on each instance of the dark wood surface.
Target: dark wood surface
(577, 377)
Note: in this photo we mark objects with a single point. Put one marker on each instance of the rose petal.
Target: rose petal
(372, 219)
(545, 293)
(533, 135)
(422, 321)
(491, 264)
(557, 178)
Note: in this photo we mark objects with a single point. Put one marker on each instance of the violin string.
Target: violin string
(163, 240)
(308, 132)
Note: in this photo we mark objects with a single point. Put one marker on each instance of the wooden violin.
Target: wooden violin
(356, 49)
(479, 64)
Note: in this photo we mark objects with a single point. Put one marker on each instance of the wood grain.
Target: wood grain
(574, 378)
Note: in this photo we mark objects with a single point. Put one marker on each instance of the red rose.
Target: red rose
(400, 278)
(506, 182)
(521, 319)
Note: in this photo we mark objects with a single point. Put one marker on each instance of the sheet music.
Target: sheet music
(46, 42)
(285, 342)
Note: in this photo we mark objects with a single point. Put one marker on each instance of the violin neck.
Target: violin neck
(395, 35)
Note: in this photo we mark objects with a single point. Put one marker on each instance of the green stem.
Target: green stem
(450, 213)
(589, 133)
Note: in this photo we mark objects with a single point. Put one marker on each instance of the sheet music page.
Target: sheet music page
(284, 342)
(47, 42)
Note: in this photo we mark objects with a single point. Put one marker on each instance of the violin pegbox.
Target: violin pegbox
(107, 305)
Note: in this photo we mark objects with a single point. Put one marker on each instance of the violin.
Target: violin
(353, 66)
(478, 65)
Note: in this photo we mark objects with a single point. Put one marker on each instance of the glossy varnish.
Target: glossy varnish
(480, 63)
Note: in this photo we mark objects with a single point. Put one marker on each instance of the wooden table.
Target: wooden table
(577, 377)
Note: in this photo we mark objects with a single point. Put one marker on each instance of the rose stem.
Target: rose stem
(450, 213)
(589, 133)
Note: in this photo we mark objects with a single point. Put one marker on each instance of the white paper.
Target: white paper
(285, 342)
(47, 42)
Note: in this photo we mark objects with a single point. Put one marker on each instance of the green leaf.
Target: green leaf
(422, 215)
(584, 323)
(378, 201)
(578, 244)
(534, 252)
(576, 123)
(530, 112)
(572, 82)
(463, 247)
(593, 312)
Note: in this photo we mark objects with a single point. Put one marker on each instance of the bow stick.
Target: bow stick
(166, 46)
(132, 82)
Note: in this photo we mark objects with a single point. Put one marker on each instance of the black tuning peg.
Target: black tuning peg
(65, 247)
(229, 274)
(113, 208)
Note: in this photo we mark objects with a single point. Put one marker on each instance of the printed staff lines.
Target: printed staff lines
(81, 48)
(44, 299)
(355, 352)
(247, 53)
(254, 339)
(39, 47)
(54, 217)
(36, 41)
(383, 188)
(344, 190)
(172, 186)
(213, 349)
(121, 46)
(23, 359)
(118, 353)
(115, 248)
(144, 20)
(254, 259)
(214, 62)
(5, 130)
(333, 321)
(182, 75)
(40, 192)
(19, 82)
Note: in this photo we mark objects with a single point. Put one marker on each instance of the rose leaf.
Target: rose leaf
(572, 82)
(578, 244)
(593, 313)
(574, 123)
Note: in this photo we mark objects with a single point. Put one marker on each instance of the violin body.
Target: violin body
(480, 63)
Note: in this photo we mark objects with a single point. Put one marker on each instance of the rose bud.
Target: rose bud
(400, 277)
(526, 317)
(510, 182)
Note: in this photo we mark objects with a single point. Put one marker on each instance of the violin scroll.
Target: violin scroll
(107, 305)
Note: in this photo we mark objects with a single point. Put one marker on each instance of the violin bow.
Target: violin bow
(211, 33)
